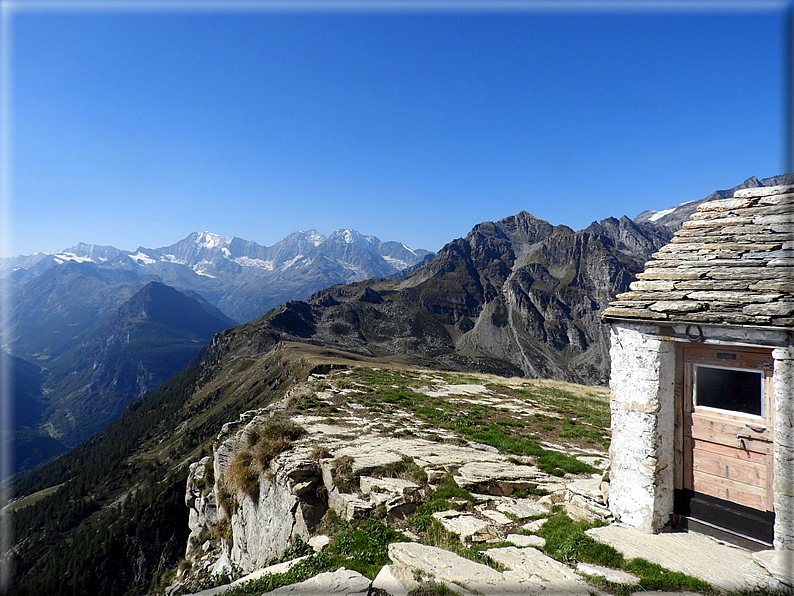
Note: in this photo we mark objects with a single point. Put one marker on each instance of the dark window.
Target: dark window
(729, 389)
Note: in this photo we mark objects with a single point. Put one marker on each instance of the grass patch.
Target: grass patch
(485, 424)
(364, 546)
(406, 469)
(344, 478)
(656, 577)
(448, 489)
(361, 546)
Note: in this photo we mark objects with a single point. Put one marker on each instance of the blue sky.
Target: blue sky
(136, 129)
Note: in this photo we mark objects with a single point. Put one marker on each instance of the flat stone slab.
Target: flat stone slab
(447, 567)
(343, 582)
(537, 572)
(391, 486)
(482, 472)
(534, 526)
(613, 575)
(319, 542)
(522, 540)
(497, 517)
(780, 563)
(725, 567)
(522, 508)
(466, 526)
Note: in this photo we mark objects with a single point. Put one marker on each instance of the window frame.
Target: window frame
(757, 371)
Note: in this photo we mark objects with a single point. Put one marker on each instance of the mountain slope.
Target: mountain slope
(28, 405)
(150, 337)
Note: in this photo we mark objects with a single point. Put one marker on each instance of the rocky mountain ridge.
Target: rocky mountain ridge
(517, 296)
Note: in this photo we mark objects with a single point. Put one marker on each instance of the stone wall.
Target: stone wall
(783, 381)
(642, 450)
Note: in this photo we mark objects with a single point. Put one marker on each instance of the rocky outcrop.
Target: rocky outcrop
(240, 523)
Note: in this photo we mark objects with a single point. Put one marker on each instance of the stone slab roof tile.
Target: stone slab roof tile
(732, 263)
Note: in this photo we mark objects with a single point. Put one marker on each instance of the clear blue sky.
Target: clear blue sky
(136, 129)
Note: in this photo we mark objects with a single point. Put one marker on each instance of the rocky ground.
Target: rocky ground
(396, 481)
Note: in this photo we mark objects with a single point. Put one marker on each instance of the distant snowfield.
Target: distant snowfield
(660, 214)
(140, 257)
(62, 257)
(258, 263)
(396, 263)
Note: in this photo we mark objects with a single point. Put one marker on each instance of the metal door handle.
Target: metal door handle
(758, 429)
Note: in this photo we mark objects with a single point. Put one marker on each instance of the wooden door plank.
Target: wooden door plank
(730, 468)
(729, 490)
(728, 452)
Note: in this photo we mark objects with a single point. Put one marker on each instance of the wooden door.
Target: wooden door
(728, 425)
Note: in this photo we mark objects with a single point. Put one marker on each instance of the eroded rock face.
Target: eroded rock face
(287, 507)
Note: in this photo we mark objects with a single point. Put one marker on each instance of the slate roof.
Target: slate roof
(732, 263)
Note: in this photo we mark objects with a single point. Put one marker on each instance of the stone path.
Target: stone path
(727, 568)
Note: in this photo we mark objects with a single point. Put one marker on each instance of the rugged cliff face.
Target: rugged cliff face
(517, 296)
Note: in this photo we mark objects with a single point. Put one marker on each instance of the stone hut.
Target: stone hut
(702, 378)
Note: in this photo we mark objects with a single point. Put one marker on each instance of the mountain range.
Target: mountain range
(242, 278)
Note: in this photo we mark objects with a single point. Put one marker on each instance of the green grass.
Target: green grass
(406, 468)
(438, 536)
(448, 489)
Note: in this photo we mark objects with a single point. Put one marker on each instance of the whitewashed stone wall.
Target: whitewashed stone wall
(783, 381)
(642, 450)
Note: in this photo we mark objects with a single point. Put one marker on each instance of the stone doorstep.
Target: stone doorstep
(726, 567)
(779, 563)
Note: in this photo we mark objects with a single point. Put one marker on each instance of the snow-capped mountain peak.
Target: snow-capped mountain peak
(209, 240)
